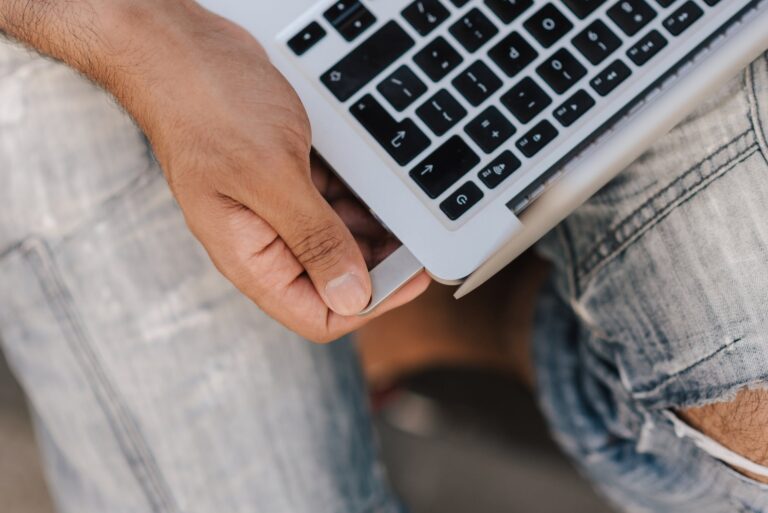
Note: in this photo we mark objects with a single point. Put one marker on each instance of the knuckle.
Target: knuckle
(319, 249)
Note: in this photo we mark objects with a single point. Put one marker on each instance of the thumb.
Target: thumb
(326, 249)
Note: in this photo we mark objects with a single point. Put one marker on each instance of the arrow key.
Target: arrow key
(401, 139)
(576, 106)
(444, 167)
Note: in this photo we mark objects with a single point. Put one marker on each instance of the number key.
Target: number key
(548, 25)
(473, 30)
(597, 42)
(561, 71)
(583, 8)
(631, 15)
(508, 10)
(438, 58)
(425, 15)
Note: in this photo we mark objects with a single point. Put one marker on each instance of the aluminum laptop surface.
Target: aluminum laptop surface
(451, 118)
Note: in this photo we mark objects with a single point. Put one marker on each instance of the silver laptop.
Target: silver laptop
(471, 127)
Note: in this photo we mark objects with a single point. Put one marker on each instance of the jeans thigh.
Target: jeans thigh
(155, 385)
(663, 275)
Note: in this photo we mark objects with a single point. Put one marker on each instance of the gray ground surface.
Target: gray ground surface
(478, 454)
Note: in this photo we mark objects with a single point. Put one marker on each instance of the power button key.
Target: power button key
(458, 203)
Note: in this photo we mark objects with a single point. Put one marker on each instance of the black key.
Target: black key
(402, 140)
(688, 14)
(548, 25)
(610, 78)
(576, 106)
(441, 112)
(645, 49)
(362, 64)
(537, 138)
(526, 100)
(597, 42)
(490, 129)
(336, 13)
(307, 38)
(499, 170)
(665, 3)
(711, 3)
(477, 83)
(350, 18)
(444, 167)
(583, 8)
(458, 203)
(508, 10)
(402, 88)
(473, 30)
(425, 15)
(561, 71)
(631, 15)
(513, 54)
(459, 3)
(437, 59)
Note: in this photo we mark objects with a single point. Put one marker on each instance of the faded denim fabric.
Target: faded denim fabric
(155, 385)
(660, 302)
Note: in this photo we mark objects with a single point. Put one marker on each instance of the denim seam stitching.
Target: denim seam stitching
(601, 256)
(673, 205)
(594, 253)
(571, 275)
(132, 444)
(755, 119)
(645, 390)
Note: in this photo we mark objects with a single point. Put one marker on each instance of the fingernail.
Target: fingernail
(346, 294)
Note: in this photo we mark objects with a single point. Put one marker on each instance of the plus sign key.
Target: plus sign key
(490, 129)
(401, 139)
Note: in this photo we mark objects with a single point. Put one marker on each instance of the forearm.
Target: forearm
(139, 50)
(120, 44)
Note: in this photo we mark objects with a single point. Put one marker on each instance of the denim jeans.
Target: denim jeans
(156, 387)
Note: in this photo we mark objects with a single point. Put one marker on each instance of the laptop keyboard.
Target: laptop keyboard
(537, 66)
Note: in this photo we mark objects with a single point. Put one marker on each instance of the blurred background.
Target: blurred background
(459, 430)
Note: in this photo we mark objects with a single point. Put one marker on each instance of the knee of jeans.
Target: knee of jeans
(68, 147)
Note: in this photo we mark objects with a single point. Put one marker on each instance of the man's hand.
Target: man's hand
(234, 142)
